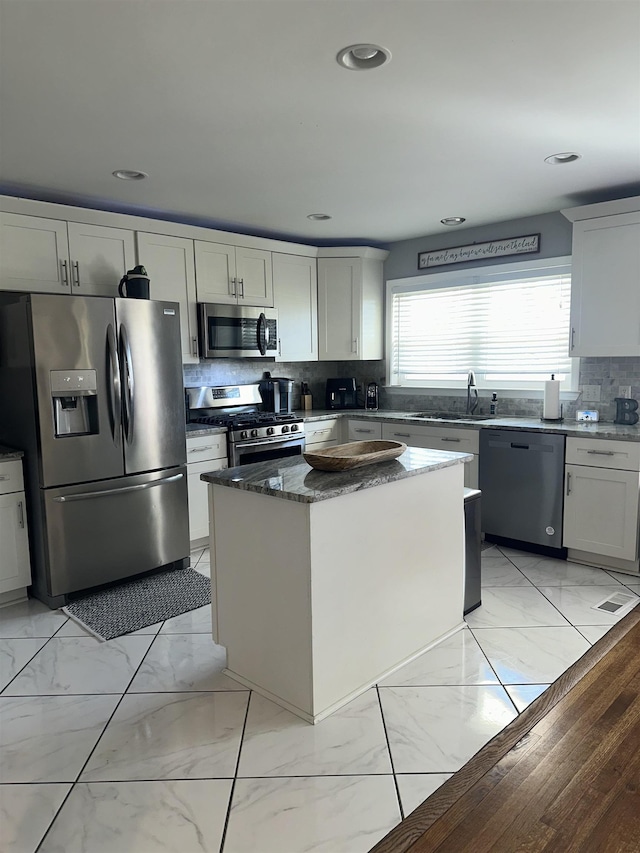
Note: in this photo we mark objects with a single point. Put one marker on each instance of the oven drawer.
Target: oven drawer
(204, 447)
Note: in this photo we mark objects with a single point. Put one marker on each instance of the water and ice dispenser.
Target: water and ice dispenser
(75, 402)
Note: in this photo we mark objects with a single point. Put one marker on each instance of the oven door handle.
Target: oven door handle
(270, 442)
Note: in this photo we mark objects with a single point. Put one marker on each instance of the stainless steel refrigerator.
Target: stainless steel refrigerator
(91, 389)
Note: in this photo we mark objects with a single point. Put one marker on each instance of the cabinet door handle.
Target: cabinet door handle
(368, 431)
(200, 449)
(279, 346)
(568, 482)
(573, 337)
(20, 514)
(241, 288)
(403, 434)
(65, 273)
(5, 477)
(233, 282)
(75, 266)
(602, 452)
(355, 346)
(194, 346)
(444, 438)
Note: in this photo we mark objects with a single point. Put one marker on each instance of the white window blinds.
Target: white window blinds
(511, 330)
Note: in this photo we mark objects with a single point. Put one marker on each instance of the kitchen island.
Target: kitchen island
(325, 583)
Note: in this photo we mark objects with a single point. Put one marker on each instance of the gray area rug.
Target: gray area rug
(139, 603)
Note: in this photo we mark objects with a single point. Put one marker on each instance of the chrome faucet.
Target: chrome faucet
(471, 383)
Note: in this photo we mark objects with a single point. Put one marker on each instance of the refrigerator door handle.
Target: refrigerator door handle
(115, 388)
(128, 382)
(108, 492)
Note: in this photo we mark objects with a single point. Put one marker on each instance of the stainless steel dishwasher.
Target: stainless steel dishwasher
(521, 478)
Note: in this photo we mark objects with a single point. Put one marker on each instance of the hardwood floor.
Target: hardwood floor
(563, 777)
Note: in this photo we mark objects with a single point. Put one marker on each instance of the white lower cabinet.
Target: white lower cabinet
(602, 482)
(440, 438)
(204, 453)
(15, 566)
(363, 430)
(319, 434)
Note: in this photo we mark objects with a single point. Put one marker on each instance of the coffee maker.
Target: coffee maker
(277, 394)
(341, 394)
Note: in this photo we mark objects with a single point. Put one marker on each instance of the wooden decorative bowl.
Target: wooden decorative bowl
(354, 454)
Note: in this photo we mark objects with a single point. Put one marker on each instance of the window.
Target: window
(508, 323)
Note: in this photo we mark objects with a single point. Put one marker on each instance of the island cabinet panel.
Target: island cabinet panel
(324, 599)
(261, 592)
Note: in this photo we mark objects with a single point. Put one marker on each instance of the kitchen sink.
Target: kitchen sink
(446, 416)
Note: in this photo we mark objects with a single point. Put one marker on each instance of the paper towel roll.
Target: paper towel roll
(551, 407)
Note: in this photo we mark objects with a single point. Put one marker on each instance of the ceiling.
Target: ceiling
(243, 119)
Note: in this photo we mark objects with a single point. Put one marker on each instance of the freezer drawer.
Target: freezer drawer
(101, 532)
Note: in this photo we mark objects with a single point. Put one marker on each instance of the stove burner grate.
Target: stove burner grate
(246, 420)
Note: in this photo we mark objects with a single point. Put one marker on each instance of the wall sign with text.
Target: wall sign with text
(479, 251)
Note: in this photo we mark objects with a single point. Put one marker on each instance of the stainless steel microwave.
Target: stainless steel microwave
(237, 331)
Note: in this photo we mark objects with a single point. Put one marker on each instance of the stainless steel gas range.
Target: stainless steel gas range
(253, 435)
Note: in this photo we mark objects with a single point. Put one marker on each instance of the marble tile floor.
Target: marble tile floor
(143, 745)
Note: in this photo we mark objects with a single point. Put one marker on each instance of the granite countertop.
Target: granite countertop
(294, 480)
(7, 453)
(568, 427)
(194, 430)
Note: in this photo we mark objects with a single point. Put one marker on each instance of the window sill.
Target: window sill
(507, 394)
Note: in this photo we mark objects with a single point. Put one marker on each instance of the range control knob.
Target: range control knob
(285, 428)
(254, 433)
(270, 430)
(243, 434)
(294, 427)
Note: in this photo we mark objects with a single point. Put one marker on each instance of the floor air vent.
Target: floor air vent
(617, 603)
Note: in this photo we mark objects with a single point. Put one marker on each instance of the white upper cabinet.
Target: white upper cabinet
(52, 256)
(99, 258)
(170, 264)
(350, 299)
(295, 295)
(233, 275)
(605, 284)
(34, 254)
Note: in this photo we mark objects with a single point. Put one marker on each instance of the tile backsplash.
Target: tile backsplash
(231, 371)
(607, 374)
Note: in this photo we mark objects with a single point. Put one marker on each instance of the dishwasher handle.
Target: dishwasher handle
(519, 446)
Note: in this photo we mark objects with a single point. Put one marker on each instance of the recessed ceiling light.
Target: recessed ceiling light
(361, 57)
(453, 220)
(564, 157)
(318, 216)
(129, 175)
